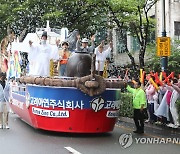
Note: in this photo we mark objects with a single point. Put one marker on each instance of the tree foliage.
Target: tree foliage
(89, 16)
(173, 60)
(132, 16)
(73, 14)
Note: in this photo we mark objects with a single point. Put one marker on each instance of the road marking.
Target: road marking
(154, 136)
(72, 150)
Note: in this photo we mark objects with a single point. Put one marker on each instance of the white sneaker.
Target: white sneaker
(170, 125)
(175, 126)
(158, 123)
(6, 127)
(146, 121)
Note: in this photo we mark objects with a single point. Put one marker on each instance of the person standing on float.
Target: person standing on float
(102, 53)
(41, 56)
(83, 46)
(32, 58)
(64, 55)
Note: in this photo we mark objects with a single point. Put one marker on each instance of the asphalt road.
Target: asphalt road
(23, 139)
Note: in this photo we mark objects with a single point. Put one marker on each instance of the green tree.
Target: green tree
(173, 60)
(6, 15)
(30, 14)
(130, 16)
(142, 25)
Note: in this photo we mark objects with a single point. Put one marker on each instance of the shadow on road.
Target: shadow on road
(59, 134)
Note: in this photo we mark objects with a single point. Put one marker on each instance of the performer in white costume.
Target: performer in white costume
(102, 52)
(163, 108)
(39, 57)
(32, 56)
(173, 108)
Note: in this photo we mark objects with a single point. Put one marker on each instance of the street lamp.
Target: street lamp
(164, 59)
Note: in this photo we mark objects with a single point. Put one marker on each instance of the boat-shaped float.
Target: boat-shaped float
(82, 102)
(67, 104)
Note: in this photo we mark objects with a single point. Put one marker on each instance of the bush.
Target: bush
(126, 109)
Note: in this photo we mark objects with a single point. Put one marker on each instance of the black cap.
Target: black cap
(44, 34)
(2, 74)
(138, 82)
(64, 42)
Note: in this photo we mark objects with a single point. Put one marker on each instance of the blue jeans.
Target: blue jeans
(62, 71)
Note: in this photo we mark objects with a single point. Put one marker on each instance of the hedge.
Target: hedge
(126, 109)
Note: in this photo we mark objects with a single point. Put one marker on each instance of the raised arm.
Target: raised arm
(176, 88)
(92, 47)
(78, 44)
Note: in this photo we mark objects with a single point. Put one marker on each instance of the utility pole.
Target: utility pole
(164, 59)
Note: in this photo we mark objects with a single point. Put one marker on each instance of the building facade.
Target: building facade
(172, 26)
(172, 9)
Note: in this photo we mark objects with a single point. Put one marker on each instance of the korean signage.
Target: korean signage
(163, 46)
(58, 103)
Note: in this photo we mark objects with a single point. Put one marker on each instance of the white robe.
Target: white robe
(32, 58)
(163, 109)
(101, 58)
(39, 59)
(173, 108)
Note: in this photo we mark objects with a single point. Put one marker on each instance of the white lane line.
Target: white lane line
(72, 150)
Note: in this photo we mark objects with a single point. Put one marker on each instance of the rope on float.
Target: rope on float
(88, 85)
(92, 84)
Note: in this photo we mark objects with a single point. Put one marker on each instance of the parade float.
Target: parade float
(82, 102)
(88, 104)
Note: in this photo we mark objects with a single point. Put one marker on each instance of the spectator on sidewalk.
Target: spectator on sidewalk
(163, 110)
(173, 109)
(139, 106)
(176, 86)
(173, 114)
(4, 97)
(151, 102)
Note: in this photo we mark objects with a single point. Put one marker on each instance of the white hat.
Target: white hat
(84, 40)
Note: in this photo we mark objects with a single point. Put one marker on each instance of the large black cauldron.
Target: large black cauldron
(79, 65)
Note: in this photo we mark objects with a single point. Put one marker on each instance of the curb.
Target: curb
(152, 126)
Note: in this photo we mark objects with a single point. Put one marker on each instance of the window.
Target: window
(134, 44)
(177, 28)
(120, 46)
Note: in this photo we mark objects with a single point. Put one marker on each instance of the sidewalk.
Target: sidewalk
(150, 128)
